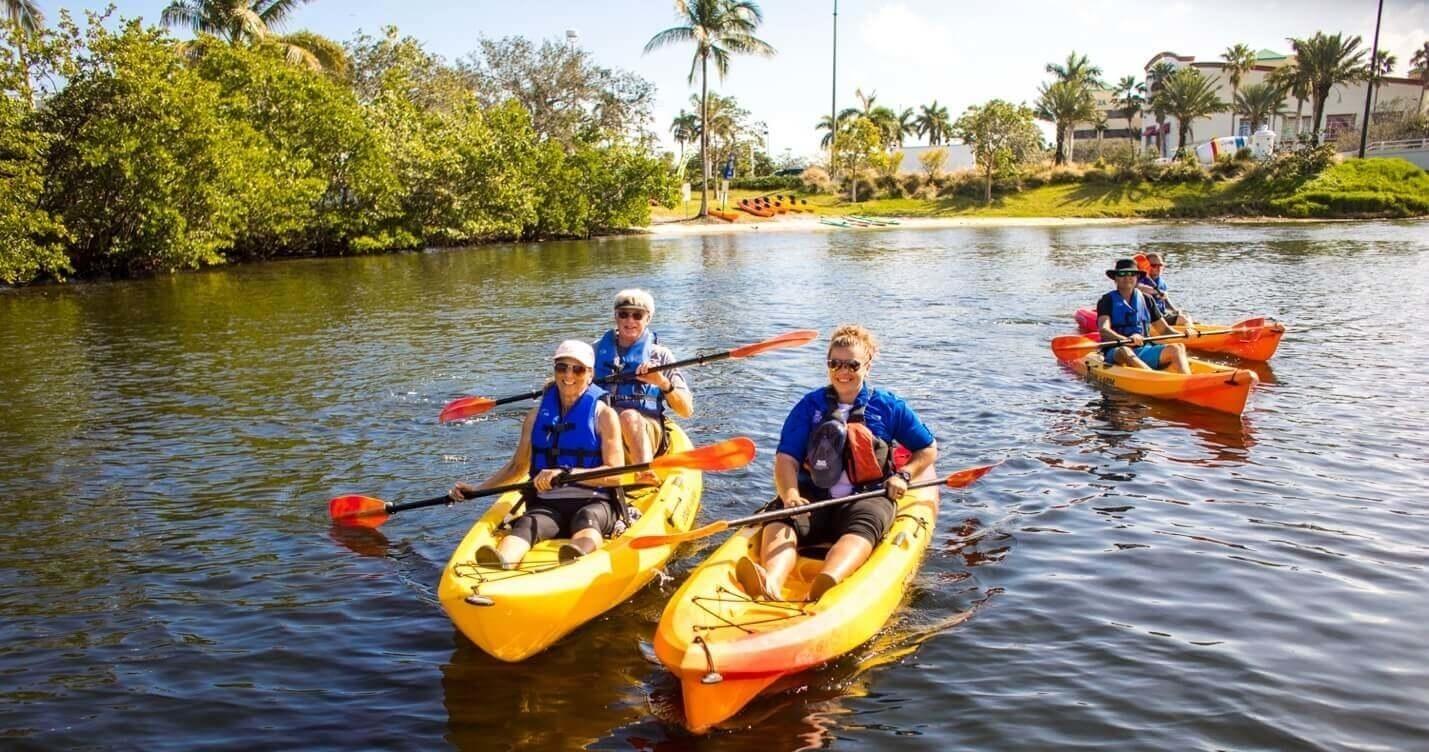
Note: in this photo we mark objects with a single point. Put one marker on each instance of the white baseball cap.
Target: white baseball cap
(635, 298)
(576, 350)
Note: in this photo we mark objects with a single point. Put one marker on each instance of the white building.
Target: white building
(1344, 108)
(957, 157)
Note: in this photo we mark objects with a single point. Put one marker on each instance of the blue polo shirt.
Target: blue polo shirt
(887, 416)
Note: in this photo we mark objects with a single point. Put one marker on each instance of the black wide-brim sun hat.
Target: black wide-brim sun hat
(1122, 265)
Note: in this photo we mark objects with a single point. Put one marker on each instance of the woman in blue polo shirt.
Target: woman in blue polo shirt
(838, 440)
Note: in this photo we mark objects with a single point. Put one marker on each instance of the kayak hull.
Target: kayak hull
(1212, 386)
(1256, 339)
(513, 615)
(726, 648)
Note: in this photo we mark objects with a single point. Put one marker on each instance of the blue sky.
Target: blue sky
(960, 52)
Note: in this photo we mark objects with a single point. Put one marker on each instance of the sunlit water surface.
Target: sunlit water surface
(1136, 576)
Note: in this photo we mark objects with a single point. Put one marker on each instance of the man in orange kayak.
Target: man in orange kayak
(838, 440)
(1125, 315)
(1153, 286)
(631, 349)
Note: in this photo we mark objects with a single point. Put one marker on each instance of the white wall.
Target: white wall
(959, 157)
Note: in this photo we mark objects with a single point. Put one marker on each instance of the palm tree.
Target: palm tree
(906, 125)
(1063, 103)
(934, 123)
(1240, 61)
(1155, 78)
(888, 125)
(1383, 65)
(1076, 70)
(719, 29)
(25, 13)
(1129, 94)
(826, 123)
(865, 106)
(1259, 102)
(1293, 80)
(1328, 61)
(1189, 96)
(254, 22)
(1420, 61)
(684, 128)
(1099, 123)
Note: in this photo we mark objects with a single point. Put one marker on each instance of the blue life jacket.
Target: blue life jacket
(568, 440)
(1160, 285)
(1129, 318)
(628, 393)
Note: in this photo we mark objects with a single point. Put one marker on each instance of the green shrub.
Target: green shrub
(768, 183)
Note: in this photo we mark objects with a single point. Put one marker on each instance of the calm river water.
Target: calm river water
(1136, 576)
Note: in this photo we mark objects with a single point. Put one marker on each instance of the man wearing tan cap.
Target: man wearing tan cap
(630, 350)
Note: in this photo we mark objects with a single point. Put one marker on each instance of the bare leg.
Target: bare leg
(587, 540)
(513, 549)
(779, 552)
(848, 554)
(1125, 357)
(637, 440)
(1174, 357)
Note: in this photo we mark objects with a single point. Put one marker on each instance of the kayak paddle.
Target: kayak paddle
(731, 454)
(1068, 346)
(960, 479)
(468, 407)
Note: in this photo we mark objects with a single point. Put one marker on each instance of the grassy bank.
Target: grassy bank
(1351, 189)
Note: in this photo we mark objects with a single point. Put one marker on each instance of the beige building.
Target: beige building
(1344, 108)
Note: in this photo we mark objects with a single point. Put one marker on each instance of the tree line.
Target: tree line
(124, 150)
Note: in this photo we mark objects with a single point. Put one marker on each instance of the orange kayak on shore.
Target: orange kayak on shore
(1252, 339)
(1209, 385)
(747, 206)
(728, 216)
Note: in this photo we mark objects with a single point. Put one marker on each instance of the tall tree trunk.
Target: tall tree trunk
(987, 187)
(1318, 111)
(1299, 117)
(1072, 142)
(705, 134)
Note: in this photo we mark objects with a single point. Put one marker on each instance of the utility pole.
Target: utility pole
(834, 95)
(1373, 71)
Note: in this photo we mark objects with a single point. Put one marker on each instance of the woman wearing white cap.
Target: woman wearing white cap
(572, 428)
(631, 350)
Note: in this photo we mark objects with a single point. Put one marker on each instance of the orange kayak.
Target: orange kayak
(726, 648)
(728, 216)
(750, 207)
(1209, 385)
(1252, 339)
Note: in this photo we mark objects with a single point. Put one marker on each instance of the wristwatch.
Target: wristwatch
(905, 475)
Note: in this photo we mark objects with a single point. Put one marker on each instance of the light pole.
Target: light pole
(1373, 70)
(834, 94)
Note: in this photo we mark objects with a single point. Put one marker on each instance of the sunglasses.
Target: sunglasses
(628, 313)
(575, 368)
(836, 364)
(1127, 274)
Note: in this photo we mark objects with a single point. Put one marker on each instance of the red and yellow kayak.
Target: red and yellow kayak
(1217, 387)
(726, 648)
(1252, 339)
(757, 210)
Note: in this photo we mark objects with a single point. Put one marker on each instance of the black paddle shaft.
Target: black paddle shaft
(564, 480)
(780, 514)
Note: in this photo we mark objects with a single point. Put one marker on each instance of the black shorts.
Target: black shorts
(545, 520)
(868, 519)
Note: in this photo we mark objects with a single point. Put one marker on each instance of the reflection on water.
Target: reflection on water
(1137, 575)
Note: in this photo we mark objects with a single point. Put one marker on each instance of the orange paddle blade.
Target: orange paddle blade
(1072, 346)
(465, 407)
(791, 339)
(357, 511)
(730, 454)
(965, 478)
(651, 541)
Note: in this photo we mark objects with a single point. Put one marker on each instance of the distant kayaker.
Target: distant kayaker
(1124, 315)
(1152, 285)
(572, 428)
(838, 440)
(632, 349)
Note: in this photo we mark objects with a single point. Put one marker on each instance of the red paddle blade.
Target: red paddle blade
(357, 511)
(465, 407)
(730, 454)
(1072, 346)
(965, 478)
(795, 338)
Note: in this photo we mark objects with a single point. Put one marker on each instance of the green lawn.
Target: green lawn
(1354, 188)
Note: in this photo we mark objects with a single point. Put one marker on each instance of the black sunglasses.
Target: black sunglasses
(836, 364)
(575, 368)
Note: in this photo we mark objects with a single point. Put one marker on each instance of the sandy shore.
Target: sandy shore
(812, 224)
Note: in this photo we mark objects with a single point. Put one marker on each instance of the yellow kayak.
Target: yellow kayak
(1217, 387)
(515, 614)
(726, 648)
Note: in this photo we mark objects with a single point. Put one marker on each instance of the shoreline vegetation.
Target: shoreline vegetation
(127, 151)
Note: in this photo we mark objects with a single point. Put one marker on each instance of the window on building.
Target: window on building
(1336, 123)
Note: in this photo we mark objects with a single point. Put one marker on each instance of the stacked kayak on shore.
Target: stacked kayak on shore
(726, 647)
(517, 613)
(1252, 339)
